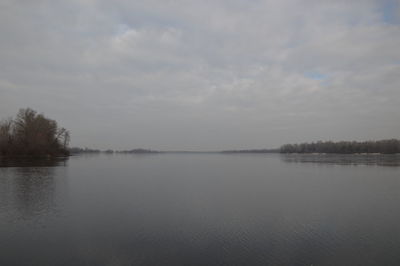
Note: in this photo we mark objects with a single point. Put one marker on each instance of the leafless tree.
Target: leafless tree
(31, 133)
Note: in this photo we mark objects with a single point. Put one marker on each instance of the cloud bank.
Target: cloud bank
(204, 75)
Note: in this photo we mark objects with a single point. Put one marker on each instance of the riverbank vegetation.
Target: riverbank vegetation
(77, 150)
(32, 134)
(252, 151)
(389, 146)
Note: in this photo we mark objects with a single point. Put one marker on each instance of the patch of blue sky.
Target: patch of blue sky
(390, 11)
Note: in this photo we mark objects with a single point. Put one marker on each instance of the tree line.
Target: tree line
(77, 150)
(252, 151)
(388, 146)
(32, 134)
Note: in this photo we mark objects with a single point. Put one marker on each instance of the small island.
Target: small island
(34, 135)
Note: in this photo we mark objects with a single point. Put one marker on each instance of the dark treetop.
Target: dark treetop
(32, 134)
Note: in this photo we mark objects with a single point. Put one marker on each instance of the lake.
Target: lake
(201, 209)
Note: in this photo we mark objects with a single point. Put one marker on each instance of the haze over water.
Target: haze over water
(201, 209)
(221, 75)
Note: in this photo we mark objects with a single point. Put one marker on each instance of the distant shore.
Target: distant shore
(389, 146)
(140, 151)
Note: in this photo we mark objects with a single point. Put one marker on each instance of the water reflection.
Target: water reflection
(344, 159)
(202, 209)
(30, 188)
(33, 162)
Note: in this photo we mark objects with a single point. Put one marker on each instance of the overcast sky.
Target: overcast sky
(204, 75)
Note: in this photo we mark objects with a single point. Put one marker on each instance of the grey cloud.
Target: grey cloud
(203, 74)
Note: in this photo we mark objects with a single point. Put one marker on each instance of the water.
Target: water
(201, 209)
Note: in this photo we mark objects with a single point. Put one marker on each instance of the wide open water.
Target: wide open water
(201, 209)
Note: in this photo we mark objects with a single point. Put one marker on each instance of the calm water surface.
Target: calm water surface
(201, 209)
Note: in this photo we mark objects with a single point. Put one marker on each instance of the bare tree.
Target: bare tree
(31, 133)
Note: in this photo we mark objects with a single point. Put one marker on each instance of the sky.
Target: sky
(204, 75)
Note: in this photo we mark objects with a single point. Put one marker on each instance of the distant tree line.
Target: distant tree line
(138, 151)
(253, 151)
(32, 134)
(77, 150)
(389, 146)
